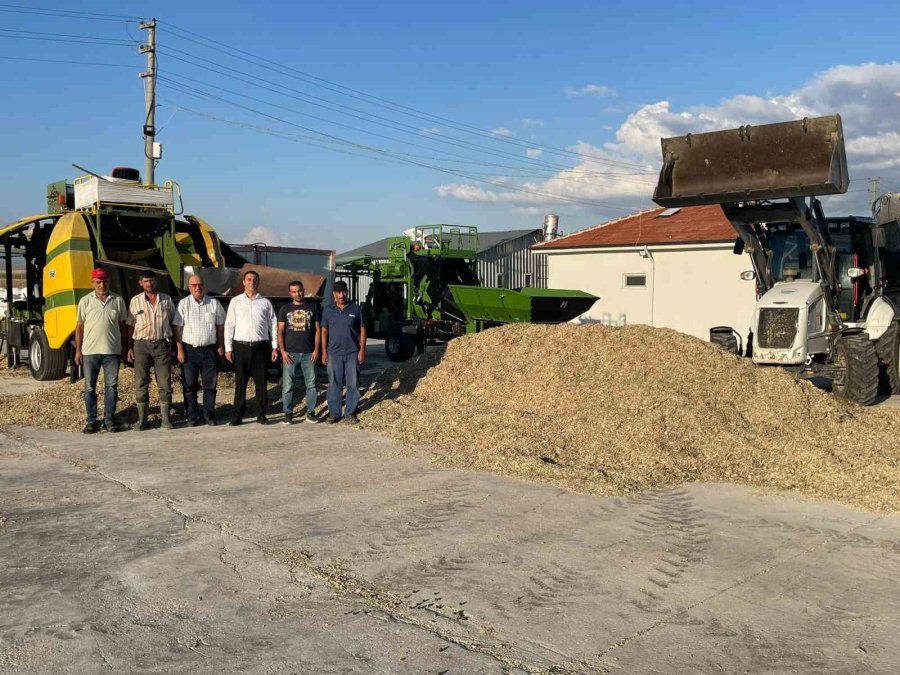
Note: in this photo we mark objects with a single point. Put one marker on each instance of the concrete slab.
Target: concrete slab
(314, 548)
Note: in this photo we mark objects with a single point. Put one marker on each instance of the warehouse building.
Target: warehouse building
(672, 268)
(505, 259)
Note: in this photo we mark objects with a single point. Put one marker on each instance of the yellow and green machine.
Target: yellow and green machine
(112, 222)
(427, 289)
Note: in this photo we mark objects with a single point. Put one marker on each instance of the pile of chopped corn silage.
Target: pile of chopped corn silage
(606, 410)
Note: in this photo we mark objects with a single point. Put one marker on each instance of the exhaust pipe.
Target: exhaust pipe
(551, 227)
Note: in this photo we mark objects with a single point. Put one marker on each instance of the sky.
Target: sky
(331, 125)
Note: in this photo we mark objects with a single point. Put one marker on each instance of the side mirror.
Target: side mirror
(878, 238)
(738, 246)
(856, 272)
(749, 275)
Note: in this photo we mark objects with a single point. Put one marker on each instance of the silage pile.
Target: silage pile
(61, 405)
(606, 411)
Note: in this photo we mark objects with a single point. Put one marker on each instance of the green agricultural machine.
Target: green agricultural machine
(427, 290)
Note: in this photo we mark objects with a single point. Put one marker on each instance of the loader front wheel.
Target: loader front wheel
(888, 349)
(857, 363)
(45, 362)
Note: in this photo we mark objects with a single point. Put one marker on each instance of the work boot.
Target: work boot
(142, 417)
(164, 417)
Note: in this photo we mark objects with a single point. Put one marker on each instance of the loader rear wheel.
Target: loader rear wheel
(398, 346)
(888, 349)
(857, 360)
(45, 362)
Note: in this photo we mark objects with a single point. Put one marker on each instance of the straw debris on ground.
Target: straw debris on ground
(609, 411)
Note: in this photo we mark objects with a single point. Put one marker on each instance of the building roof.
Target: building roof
(687, 225)
(486, 240)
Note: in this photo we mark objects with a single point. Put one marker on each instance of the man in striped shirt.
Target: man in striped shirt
(200, 338)
(150, 318)
(251, 343)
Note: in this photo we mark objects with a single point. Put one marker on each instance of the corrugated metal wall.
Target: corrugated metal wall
(511, 264)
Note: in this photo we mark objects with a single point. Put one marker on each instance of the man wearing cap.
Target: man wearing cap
(251, 343)
(100, 339)
(343, 352)
(199, 335)
(150, 316)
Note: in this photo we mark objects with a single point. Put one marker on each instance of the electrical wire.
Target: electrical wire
(78, 63)
(368, 117)
(498, 184)
(64, 13)
(269, 64)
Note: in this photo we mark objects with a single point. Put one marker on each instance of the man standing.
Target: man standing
(200, 339)
(251, 342)
(100, 339)
(150, 317)
(298, 340)
(343, 351)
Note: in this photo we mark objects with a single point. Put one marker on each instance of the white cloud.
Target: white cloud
(534, 153)
(597, 90)
(865, 95)
(430, 130)
(531, 122)
(264, 235)
(502, 131)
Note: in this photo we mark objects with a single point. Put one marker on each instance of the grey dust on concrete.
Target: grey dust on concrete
(320, 549)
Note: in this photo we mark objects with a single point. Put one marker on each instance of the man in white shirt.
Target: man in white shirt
(251, 343)
(200, 339)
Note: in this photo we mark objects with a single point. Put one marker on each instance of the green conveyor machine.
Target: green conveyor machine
(428, 289)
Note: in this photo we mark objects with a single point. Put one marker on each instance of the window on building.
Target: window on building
(528, 281)
(501, 280)
(635, 280)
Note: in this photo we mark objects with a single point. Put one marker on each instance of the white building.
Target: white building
(672, 268)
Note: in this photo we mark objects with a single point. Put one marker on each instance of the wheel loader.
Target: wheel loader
(118, 223)
(828, 289)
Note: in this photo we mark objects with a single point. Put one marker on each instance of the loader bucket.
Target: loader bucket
(771, 161)
(528, 305)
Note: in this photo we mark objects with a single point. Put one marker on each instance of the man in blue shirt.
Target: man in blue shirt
(343, 352)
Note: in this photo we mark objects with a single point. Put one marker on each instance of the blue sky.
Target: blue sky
(570, 98)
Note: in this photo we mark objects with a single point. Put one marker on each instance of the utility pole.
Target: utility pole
(874, 189)
(149, 77)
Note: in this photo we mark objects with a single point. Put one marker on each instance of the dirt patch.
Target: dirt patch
(608, 411)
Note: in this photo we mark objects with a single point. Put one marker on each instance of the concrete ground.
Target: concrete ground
(320, 549)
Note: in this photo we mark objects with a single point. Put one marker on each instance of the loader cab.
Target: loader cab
(792, 259)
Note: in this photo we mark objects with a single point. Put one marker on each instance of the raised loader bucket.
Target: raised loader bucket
(771, 161)
(528, 305)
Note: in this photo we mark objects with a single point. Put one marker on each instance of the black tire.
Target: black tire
(856, 355)
(888, 350)
(398, 345)
(44, 362)
(727, 341)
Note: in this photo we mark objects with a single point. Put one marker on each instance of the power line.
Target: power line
(79, 63)
(242, 55)
(465, 145)
(376, 119)
(64, 13)
(380, 151)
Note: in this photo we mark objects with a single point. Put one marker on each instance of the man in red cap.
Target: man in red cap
(100, 338)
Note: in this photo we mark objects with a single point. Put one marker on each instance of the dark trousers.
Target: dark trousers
(158, 355)
(201, 364)
(250, 362)
(343, 371)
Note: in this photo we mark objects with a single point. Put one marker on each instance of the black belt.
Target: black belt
(154, 341)
(248, 343)
(188, 344)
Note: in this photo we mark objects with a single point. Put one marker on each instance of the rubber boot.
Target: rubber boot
(164, 415)
(142, 417)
